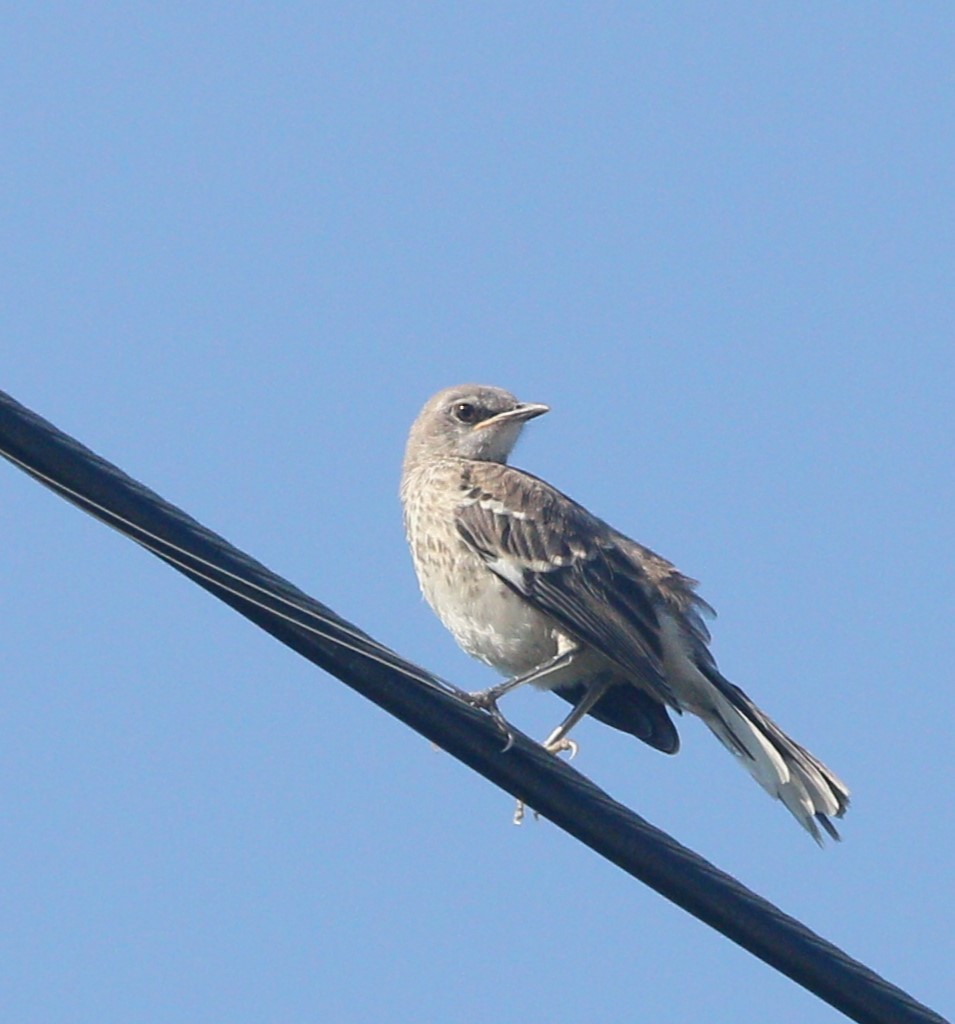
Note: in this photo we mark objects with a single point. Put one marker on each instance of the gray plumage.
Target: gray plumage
(534, 585)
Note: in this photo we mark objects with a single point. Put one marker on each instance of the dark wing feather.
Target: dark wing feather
(567, 563)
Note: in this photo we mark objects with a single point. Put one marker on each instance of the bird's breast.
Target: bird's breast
(487, 618)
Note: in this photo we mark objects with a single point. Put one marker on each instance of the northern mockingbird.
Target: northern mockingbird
(533, 584)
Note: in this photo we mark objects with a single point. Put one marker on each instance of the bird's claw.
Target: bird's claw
(486, 700)
(519, 811)
(559, 746)
(554, 747)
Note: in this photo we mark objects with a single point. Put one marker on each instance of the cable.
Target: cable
(438, 710)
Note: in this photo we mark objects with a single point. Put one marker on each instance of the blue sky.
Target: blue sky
(243, 245)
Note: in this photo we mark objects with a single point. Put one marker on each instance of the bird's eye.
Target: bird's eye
(465, 412)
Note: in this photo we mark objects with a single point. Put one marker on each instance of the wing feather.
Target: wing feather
(567, 563)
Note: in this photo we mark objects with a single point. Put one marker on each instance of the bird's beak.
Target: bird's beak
(519, 414)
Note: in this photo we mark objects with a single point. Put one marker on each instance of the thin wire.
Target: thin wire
(161, 547)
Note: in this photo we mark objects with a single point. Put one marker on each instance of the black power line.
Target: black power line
(436, 710)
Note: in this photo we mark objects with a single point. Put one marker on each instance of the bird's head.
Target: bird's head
(470, 422)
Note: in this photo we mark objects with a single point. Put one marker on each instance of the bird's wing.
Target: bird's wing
(567, 563)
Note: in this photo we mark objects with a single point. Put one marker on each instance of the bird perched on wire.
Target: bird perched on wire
(533, 584)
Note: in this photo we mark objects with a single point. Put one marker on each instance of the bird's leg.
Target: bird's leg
(487, 699)
(557, 741)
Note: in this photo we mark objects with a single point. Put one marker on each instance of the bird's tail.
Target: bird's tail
(779, 764)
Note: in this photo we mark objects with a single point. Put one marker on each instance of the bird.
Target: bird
(534, 585)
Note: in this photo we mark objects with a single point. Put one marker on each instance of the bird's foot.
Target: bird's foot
(554, 747)
(560, 745)
(519, 810)
(486, 700)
